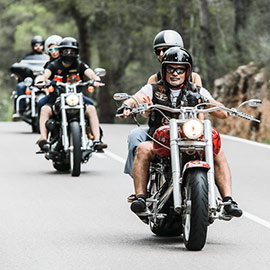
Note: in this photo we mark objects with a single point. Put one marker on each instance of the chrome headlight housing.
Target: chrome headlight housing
(72, 100)
(28, 81)
(193, 128)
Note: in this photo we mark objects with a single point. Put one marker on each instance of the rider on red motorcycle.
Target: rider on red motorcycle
(174, 89)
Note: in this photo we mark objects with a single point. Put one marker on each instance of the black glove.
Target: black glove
(194, 98)
(121, 109)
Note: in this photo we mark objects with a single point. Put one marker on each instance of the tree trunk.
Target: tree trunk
(105, 110)
(84, 37)
(208, 44)
(240, 7)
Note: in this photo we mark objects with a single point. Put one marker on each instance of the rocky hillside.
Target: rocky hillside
(245, 83)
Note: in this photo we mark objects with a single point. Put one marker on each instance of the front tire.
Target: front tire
(195, 215)
(75, 149)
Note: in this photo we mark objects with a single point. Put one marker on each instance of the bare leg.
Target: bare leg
(45, 114)
(142, 160)
(223, 175)
(91, 113)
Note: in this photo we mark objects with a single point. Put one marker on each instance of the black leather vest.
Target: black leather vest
(161, 95)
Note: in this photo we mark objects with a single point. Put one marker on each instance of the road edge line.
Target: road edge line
(115, 157)
(245, 141)
(257, 219)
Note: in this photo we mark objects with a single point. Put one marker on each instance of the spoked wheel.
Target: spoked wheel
(195, 215)
(75, 149)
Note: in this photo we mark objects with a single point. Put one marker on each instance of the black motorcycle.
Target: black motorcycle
(69, 142)
(26, 71)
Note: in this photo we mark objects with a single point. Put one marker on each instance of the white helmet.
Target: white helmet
(54, 39)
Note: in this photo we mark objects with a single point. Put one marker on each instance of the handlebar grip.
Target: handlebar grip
(247, 116)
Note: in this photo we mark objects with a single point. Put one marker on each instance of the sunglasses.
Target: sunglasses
(158, 51)
(69, 52)
(53, 49)
(179, 70)
(38, 45)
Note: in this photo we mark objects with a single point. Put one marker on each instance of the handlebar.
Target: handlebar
(79, 83)
(142, 108)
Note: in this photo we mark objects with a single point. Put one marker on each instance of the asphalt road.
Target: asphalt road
(51, 221)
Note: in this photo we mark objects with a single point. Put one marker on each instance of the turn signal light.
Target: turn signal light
(91, 89)
(28, 91)
(51, 89)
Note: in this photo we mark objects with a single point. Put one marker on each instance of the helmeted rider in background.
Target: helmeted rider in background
(67, 68)
(173, 90)
(37, 53)
(37, 45)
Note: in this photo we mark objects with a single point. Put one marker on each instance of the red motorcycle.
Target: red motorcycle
(181, 187)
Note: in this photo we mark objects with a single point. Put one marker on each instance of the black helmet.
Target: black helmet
(176, 55)
(168, 38)
(37, 39)
(69, 43)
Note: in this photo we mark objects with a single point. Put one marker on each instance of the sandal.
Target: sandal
(131, 198)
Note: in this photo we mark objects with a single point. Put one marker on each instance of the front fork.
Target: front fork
(65, 139)
(175, 164)
(210, 160)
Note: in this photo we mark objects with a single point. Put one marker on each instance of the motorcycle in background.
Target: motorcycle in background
(181, 197)
(69, 145)
(26, 71)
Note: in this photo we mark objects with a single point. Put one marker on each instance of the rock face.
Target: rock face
(245, 83)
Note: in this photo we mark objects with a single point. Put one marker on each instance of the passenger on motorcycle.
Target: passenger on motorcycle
(51, 48)
(67, 68)
(176, 69)
(37, 53)
(162, 42)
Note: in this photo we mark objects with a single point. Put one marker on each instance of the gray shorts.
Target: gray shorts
(135, 137)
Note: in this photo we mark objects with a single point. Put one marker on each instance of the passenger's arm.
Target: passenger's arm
(152, 79)
(47, 74)
(196, 79)
(218, 114)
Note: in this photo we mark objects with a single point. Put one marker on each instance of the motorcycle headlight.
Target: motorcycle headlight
(193, 128)
(72, 100)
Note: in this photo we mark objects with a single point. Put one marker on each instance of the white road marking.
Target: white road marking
(257, 219)
(245, 141)
(99, 155)
(114, 156)
(246, 214)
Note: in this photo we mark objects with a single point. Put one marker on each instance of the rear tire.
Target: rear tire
(170, 226)
(75, 149)
(195, 216)
(35, 125)
(166, 229)
(62, 167)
